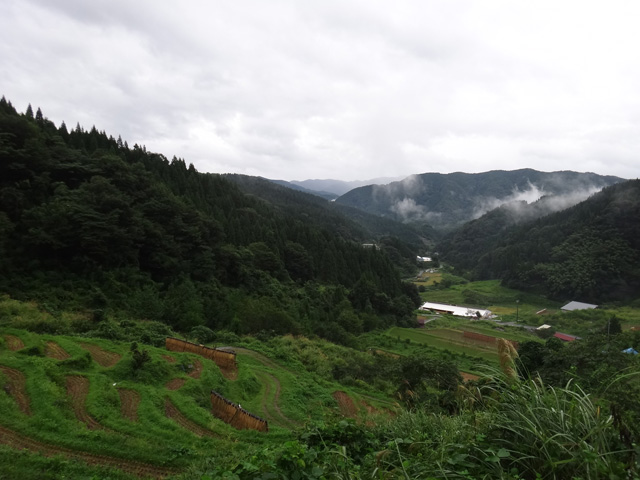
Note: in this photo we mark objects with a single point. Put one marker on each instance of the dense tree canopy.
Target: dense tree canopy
(81, 211)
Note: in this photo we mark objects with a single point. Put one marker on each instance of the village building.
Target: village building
(577, 306)
(457, 311)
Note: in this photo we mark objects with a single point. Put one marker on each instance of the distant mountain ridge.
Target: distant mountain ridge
(340, 187)
(446, 201)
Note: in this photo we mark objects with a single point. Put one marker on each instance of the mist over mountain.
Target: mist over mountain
(587, 252)
(446, 201)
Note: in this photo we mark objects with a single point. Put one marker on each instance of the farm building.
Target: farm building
(577, 306)
(565, 337)
(423, 259)
(455, 310)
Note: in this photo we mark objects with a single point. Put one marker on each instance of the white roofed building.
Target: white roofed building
(455, 310)
(577, 306)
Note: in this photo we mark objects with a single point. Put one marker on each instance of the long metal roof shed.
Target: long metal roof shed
(578, 306)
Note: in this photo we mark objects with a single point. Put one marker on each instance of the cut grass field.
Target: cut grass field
(446, 340)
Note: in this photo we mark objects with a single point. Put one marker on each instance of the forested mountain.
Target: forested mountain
(340, 187)
(320, 193)
(401, 242)
(446, 201)
(87, 220)
(589, 251)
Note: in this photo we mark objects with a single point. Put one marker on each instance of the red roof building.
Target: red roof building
(564, 337)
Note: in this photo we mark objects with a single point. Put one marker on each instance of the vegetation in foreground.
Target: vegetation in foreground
(566, 423)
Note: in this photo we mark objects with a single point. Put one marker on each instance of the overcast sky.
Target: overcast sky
(345, 89)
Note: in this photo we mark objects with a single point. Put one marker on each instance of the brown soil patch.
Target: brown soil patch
(129, 401)
(16, 388)
(140, 469)
(175, 383)
(102, 357)
(197, 369)
(371, 410)
(230, 373)
(53, 350)
(345, 404)
(14, 343)
(169, 358)
(174, 414)
(468, 376)
(78, 389)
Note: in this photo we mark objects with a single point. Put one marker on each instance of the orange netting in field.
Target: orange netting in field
(223, 359)
(236, 416)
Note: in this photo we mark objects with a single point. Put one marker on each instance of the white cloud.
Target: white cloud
(347, 90)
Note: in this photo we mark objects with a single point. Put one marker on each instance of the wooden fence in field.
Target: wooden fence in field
(222, 358)
(235, 415)
(485, 338)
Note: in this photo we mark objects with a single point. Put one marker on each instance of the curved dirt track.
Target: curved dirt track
(274, 413)
(268, 379)
(102, 357)
(55, 351)
(172, 412)
(78, 389)
(14, 343)
(129, 401)
(16, 387)
(169, 358)
(140, 469)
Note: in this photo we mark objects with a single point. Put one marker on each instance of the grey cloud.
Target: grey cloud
(337, 89)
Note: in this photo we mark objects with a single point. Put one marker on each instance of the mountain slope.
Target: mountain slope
(589, 251)
(86, 221)
(448, 200)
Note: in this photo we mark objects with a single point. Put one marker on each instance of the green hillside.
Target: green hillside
(588, 252)
(88, 222)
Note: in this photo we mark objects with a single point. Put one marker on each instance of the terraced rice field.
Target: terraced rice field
(78, 389)
(139, 469)
(102, 357)
(60, 418)
(14, 343)
(174, 414)
(129, 401)
(16, 387)
(55, 351)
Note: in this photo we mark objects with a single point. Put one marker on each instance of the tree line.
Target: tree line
(88, 221)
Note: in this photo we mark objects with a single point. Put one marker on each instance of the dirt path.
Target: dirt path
(129, 401)
(271, 409)
(197, 369)
(78, 389)
(14, 343)
(174, 414)
(103, 357)
(175, 383)
(140, 469)
(53, 350)
(269, 379)
(16, 387)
